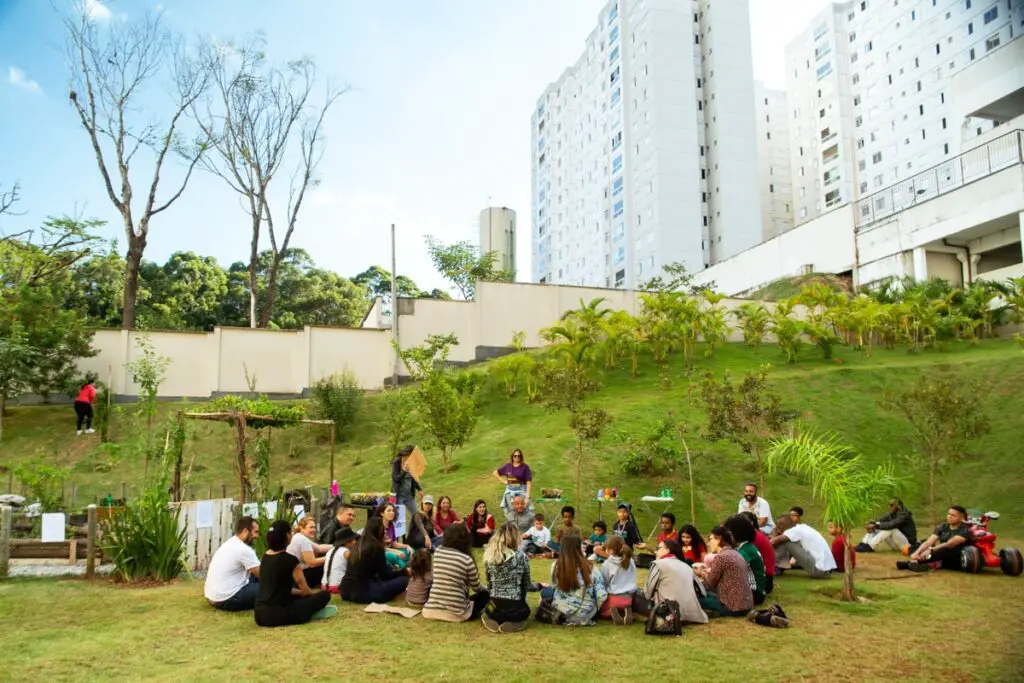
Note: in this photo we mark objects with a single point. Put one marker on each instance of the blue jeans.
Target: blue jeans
(244, 599)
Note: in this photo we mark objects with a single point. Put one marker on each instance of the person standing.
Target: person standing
(232, 581)
(751, 502)
(83, 406)
(403, 484)
(517, 478)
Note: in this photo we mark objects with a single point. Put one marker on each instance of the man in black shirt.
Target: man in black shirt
(942, 548)
(896, 529)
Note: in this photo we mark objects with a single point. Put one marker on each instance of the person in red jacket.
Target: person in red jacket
(837, 547)
(83, 406)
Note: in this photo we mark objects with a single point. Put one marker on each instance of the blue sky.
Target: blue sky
(436, 125)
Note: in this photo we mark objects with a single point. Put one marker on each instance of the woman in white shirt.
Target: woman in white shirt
(311, 555)
(336, 560)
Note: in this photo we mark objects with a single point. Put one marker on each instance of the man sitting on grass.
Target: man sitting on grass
(942, 549)
(896, 529)
(232, 581)
(519, 515)
(343, 518)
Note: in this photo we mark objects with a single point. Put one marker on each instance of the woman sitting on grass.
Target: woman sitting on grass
(369, 577)
(311, 555)
(577, 589)
(280, 574)
(619, 573)
(671, 578)
(398, 554)
(508, 582)
(728, 588)
(421, 578)
(742, 532)
(692, 544)
(480, 524)
(456, 594)
(444, 516)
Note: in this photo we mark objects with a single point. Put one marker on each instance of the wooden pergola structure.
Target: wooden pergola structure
(240, 420)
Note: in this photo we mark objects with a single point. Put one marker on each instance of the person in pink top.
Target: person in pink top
(83, 406)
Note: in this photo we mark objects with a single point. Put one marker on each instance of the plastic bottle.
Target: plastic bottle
(334, 488)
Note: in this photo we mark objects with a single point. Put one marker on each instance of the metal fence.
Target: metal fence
(978, 163)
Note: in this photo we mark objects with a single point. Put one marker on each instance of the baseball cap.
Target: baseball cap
(428, 499)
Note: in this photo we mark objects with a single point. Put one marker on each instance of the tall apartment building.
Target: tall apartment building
(498, 234)
(773, 162)
(644, 151)
(871, 97)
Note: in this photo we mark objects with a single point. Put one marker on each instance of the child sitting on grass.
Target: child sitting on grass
(420, 579)
(566, 528)
(537, 539)
(619, 572)
(837, 548)
(597, 539)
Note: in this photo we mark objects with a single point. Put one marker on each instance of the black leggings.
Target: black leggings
(83, 413)
(314, 576)
(299, 610)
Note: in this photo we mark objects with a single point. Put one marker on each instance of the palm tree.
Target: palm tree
(588, 318)
(787, 330)
(848, 487)
(753, 319)
(711, 323)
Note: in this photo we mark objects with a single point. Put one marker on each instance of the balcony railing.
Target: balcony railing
(999, 154)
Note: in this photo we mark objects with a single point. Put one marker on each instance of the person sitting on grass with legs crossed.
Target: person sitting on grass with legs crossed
(751, 502)
(284, 597)
(232, 581)
(519, 514)
(798, 546)
(942, 549)
(536, 541)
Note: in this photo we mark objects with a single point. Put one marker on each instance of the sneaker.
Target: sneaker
(779, 622)
(617, 617)
(920, 567)
(902, 565)
(78, 433)
(90, 431)
(326, 612)
(490, 624)
(628, 618)
(863, 548)
(512, 626)
(777, 610)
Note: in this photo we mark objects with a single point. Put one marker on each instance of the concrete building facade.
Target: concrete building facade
(773, 162)
(498, 234)
(644, 151)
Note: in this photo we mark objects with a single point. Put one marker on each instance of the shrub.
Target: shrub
(653, 452)
(43, 482)
(339, 398)
(144, 538)
(396, 418)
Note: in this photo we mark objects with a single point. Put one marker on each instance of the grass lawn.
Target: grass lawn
(945, 626)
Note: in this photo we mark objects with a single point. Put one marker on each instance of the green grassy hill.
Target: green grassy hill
(842, 395)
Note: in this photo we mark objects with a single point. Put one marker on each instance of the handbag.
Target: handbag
(547, 614)
(664, 620)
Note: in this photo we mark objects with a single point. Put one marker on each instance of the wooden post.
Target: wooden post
(223, 490)
(90, 544)
(332, 441)
(5, 538)
(210, 495)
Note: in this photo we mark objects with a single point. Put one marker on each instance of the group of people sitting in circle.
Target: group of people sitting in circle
(593, 576)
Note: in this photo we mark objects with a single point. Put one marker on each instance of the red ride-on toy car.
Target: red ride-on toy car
(974, 558)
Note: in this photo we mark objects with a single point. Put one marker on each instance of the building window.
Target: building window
(771, 188)
(970, 28)
(945, 148)
(938, 49)
(856, 100)
(992, 42)
(876, 157)
(860, 143)
(968, 4)
(920, 109)
(971, 54)
(617, 164)
(617, 209)
(943, 123)
(859, 121)
(991, 15)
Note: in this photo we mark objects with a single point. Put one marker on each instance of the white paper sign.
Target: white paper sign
(204, 514)
(53, 527)
(400, 521)
(270, 509)
(299, 511)
(250, 510)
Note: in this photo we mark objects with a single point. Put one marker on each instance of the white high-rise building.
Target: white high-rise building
(644, 151)
(774, 165)
(870, 92)
(498, 234)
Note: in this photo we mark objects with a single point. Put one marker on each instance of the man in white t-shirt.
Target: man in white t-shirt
(800, 546)
(751, 502)
(232, 581)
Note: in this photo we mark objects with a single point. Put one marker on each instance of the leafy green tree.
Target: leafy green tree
(16, 360)
(184, 293)
(377, 281)
(43, 481)
(463, 265)
(839, 478)
(676, 278)
(447, 403)
(338, 398)
(148, 371)
(397, 418)
(945, 413)
(753, 319)
(747, 414)
(787, 330)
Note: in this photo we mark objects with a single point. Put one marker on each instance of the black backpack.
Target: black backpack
(664, 620)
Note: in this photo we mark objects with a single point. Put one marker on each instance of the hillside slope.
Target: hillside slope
(842, 395)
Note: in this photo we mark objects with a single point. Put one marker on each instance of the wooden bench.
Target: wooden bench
(25, 549)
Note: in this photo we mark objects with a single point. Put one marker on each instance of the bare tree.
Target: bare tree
(254, 117)
(8, 198)
(113, 69)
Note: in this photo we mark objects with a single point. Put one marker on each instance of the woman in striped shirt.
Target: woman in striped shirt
(456, 594)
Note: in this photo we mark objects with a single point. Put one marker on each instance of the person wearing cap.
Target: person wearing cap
(625, 528)
(337, 560)
(420, 532)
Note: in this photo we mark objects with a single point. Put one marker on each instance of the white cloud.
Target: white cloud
(96, 10)
(17, 78)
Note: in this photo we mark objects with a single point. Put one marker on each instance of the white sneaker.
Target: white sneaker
(90, 431)
(78, 433)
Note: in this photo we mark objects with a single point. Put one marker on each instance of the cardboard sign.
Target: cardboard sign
(416, 463)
